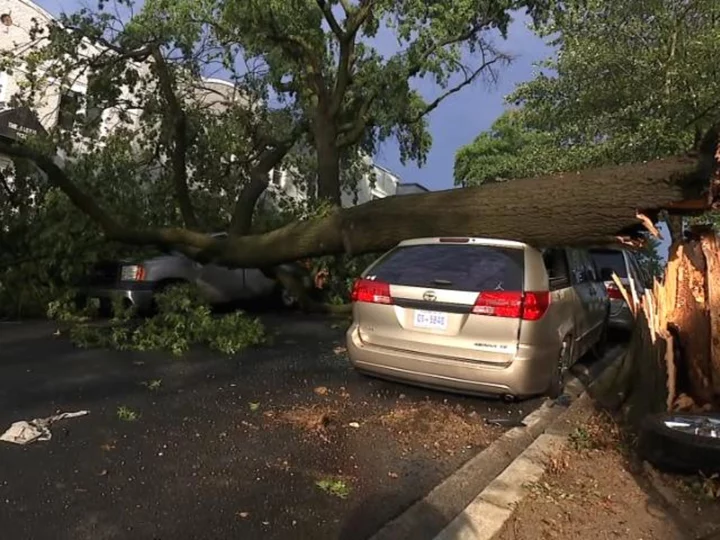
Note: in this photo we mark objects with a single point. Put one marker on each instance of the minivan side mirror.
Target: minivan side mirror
(606, 274)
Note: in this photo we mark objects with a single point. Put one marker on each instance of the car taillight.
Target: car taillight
(133, 272)
(613, 292)
(371, 292)
(535, 305)
(529, 306)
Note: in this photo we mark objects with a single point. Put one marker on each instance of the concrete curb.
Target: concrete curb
(455, 501)
(486, 515)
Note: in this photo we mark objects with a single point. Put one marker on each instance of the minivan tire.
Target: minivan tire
(557, 382)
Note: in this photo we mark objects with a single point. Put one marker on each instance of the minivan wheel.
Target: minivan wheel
(557, 383)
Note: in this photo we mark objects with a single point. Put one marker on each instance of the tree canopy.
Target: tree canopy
(629, 81)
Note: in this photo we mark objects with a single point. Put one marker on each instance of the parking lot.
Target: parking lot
(284, 441)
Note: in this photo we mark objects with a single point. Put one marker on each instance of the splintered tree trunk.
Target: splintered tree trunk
(675, 348)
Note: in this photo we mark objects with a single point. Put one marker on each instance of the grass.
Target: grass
(153, 385)
(580, 439)
(336, 488)
(126, 414)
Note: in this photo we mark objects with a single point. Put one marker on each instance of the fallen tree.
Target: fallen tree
(595, 206)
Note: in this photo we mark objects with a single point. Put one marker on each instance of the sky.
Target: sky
(461, 117)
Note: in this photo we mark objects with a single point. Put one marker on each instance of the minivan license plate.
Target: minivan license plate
(431, 320)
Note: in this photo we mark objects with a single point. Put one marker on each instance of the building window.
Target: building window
(75, 106)
(69, 108)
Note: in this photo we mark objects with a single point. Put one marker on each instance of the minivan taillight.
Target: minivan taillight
(529, 306)
(371, 292)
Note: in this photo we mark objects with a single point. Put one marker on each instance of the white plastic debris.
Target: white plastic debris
(35, 430)
(355, 425)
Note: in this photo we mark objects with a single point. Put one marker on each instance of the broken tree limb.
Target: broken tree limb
(649, 225)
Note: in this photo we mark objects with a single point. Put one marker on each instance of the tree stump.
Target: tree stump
(673, 360)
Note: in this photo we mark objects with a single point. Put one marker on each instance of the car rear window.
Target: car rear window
(458, 267)
(611, 259)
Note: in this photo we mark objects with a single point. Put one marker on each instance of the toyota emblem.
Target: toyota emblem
(429, 296)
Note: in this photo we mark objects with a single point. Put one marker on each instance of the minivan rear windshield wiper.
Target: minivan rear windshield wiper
(443, 282)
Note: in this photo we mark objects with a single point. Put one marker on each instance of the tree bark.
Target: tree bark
(328, 162)
(592, 207)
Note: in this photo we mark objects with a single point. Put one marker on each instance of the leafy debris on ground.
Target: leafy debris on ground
(126, 414)
(153, 385)
(335, 487)
(437, 427)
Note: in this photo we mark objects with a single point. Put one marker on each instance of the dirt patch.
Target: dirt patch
(595, 491)
(436, 427)
(308, 417)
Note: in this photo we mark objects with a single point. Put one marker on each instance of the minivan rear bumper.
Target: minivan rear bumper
(528, 374)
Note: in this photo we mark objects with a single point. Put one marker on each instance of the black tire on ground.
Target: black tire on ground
(284, 299)
(672, 450)
(557, 382)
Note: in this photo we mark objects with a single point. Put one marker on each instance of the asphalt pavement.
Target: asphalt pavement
(283, 441)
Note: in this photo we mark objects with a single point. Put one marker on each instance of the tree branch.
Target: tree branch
(347, 6)
(303, 55)
(58, 178)
(468, 80)
(177, 119)
(241, 222)
(350, 134)
(331, 19)
(347, 53)
(187, 241)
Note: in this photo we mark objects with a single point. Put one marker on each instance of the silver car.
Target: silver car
(136, 282)
(631, 274)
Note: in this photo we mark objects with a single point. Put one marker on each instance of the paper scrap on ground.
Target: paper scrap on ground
(35, 430)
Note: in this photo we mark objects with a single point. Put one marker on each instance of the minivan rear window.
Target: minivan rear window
(458, 267)
(612, 259)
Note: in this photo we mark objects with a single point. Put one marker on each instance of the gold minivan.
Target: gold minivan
(477, 315)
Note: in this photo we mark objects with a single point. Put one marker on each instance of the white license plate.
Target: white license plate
(431, 320)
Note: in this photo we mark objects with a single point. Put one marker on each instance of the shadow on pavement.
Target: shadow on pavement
(358, 524)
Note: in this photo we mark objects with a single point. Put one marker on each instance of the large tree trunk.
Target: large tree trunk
(328, 164)
(595, 206)
(591, 207)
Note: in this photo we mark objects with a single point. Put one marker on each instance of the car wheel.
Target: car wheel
(284, 298)
(557, 383)
(681, 443)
